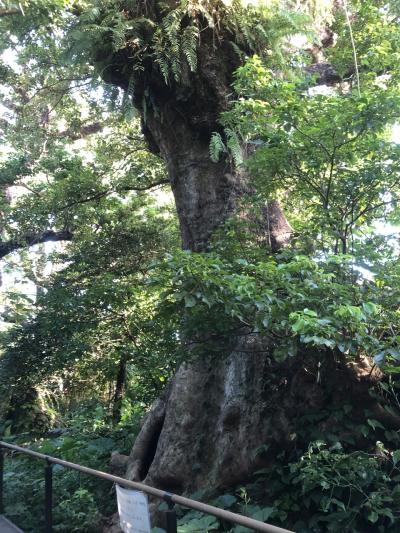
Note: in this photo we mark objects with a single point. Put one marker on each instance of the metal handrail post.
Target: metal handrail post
(172, 526)
(170, 514)
(48, 497)
(1, 480)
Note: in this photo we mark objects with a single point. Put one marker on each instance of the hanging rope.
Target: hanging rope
(268, 227)
(353, 46)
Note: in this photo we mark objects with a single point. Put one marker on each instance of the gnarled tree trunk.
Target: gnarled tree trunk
(211, 422)
(211, 419)
(221, 419)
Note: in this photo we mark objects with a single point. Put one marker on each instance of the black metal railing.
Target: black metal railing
(169, 498)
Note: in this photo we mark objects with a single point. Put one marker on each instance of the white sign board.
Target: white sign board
(133, 509)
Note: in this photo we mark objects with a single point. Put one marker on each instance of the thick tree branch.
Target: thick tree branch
(107, 192)
(4, 12)
(279, 231)
(33, 238)
(84, 131)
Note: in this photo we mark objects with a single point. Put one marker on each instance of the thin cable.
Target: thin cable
(353, 46)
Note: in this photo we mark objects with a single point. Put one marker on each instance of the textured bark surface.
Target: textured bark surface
(215, 418)
(205, 192)
(28, 240)
(212, 418)
(221, 419)
(180, 131)
(178, 123)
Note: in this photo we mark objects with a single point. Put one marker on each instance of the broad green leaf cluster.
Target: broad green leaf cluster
(297, 303)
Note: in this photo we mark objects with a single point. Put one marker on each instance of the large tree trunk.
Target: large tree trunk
(178, 121)
(206, 427)
(214, 421)
(204, 431)
(205, 192)
(214, 417)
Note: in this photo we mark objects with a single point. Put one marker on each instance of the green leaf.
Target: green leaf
(190, 301)
(370, 308)
(199, 525)
(379, 358)
(396, 456)
(281, 353)
(394, 352)
(263, 514)
(226, 501)
(374, 424)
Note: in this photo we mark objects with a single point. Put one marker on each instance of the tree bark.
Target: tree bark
(4, 12)
(205, 428)
(221, 419)
(205, 192)
(213, 421)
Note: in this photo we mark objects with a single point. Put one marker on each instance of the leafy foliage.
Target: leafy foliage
(296, 302)
(96, 313)
(306, 146)
(326, 489)
(170, 37)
